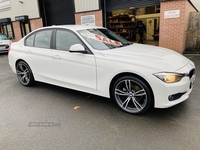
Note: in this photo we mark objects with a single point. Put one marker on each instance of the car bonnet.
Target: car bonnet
(161, 59)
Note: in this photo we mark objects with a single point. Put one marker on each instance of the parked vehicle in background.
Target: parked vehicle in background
(4, 43)
(97, 61)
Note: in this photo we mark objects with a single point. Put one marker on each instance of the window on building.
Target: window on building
(25, 27)
(7, 29)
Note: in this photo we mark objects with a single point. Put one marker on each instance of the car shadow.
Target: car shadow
(3, 54)
(108, 106)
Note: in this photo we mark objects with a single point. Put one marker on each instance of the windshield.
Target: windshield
(3, 37)
(103, 39)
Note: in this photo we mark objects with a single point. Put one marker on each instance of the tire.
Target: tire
(24, 74)
(132, 95)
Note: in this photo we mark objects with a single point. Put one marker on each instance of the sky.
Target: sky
(196, 3)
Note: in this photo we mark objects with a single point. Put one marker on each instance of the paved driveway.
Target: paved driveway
(46, 117)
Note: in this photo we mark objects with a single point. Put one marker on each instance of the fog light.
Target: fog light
(171, 97)
(175, 96)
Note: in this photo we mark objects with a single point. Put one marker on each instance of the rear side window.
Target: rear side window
(41, 39)
(30, 40)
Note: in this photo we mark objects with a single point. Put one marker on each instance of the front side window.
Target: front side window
(65, 39)
(103, 39)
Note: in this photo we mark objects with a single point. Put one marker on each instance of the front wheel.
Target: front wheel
(132, 95)
(24, 74)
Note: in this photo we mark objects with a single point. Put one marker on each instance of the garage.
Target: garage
(57, 12)
(123, 16)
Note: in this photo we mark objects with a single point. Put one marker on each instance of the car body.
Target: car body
(97, 61)
(4, 43)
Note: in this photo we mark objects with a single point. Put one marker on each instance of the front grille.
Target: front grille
(191, 73)
(4, 46)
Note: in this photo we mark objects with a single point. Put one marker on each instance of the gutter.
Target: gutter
(193, 5)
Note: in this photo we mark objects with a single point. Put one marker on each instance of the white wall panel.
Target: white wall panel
(26, 7)
(86, 5)
(196, 4)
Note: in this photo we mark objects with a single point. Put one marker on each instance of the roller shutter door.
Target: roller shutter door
(58, 12)
(122, 4)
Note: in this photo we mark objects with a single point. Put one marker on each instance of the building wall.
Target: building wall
(26, 7)
(17, 32)
(173, 31)
(86, 5)
(35, 24)
(98, 17)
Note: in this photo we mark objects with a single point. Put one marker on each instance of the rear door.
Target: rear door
(39, 54)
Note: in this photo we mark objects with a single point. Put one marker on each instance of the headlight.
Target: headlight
(169, 77)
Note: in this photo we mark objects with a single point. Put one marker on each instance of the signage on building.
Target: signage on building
(4, 5)
(172, 14)
(21, 18)
(5, 20)
(88, 20)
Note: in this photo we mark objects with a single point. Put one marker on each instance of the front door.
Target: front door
(75, 69)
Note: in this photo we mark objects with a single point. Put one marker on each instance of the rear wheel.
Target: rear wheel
(24, 74)
(132, 95)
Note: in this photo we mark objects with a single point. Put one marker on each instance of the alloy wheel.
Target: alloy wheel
(132, 95)
(24, 74)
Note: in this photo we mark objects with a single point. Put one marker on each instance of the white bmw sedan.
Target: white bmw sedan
(97, 61)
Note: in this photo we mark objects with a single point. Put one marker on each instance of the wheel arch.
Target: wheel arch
(115, 78)
(31, 79)
(19, 61)
(26, 63)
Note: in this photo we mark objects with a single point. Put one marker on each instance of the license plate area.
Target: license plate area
(2, 47)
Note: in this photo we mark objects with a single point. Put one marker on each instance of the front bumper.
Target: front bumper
(163, 92)
(4, 48)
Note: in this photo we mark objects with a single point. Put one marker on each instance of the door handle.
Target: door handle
(29, 51)
(56, 57)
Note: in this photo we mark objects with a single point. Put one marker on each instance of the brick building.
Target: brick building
(169, 16)
(18, 18)
(166, 20)
(173, 32)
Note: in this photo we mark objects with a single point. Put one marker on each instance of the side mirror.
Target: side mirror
(77, 48)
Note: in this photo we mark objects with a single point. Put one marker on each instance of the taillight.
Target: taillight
(9, 48)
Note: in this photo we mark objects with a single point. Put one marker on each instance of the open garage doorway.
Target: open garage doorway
(124, 21)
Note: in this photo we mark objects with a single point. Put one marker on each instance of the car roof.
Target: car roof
(73, 27)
